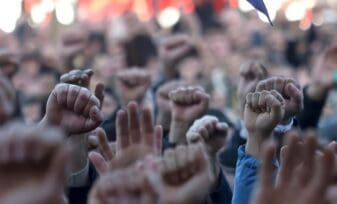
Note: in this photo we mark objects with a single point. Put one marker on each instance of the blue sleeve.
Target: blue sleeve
(245, 177)
(222, 193)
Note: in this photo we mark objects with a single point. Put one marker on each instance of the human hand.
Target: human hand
(7, 99)
(82, 78)
(263, 111)
(171, 50)
(323, 74)
(75, 109)
(78, 77)
(181, 174)
(210, 131)
(123, 186)
(250, 74)
(163, 101)
(290, 91)
(304, 175)
(132, 85)
(135, 138)
(33, 165)
(187, 105)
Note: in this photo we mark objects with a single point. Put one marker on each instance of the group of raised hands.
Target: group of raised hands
(38, 161)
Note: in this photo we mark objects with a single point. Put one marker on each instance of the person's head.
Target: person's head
(190, 66)
(30, 64)
(9, 62)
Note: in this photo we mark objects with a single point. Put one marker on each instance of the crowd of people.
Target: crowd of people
(221, 108)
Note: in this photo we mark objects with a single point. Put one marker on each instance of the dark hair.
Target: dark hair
(139, 50)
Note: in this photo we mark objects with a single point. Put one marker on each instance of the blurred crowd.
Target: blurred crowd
(125, 111)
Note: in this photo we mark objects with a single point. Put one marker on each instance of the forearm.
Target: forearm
(79, 152)
(178, 132)
(254, 144)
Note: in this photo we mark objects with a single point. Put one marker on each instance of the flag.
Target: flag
(259, 5)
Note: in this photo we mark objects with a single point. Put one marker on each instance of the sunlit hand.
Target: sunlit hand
(73, 108)
(187, 105)
(290, 91)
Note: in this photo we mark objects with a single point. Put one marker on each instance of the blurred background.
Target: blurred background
(45, 38)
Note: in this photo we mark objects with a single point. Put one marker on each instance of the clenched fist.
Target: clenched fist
(290, 91)
(209, 130)
(33, 163)
(187, 105)
(182, 173)
(132, 85)
(73, 108)
(163, 101)
(263, 111)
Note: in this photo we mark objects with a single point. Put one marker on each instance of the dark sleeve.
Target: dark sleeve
(309, 116)
(222, 193)
(229, 156)
(109, 126)
(79, 195)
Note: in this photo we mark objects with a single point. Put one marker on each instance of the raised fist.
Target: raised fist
(171, 50)
(263, 111)
(32, 165)
(210, 131)
(183, 171)
(188, 104)
(250, 74)
(123, 186)
(7, 99)
(132, 85)
(75, 109)
(78, 77)
(163, 101)
(290, 91)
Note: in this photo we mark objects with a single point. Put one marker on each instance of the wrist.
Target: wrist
(178, 130)
(254, 144)
(79, 152)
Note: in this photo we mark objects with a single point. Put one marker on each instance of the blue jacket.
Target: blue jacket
(246, 174)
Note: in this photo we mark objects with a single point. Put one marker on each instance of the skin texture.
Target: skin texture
(290, 91)
(135, 138)
(250, 75)
(303, 177)
(263, 111)
(32, 165)
(163, 102)
(75, 109)
(187, 105)
(132, 85)
(171, 181)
